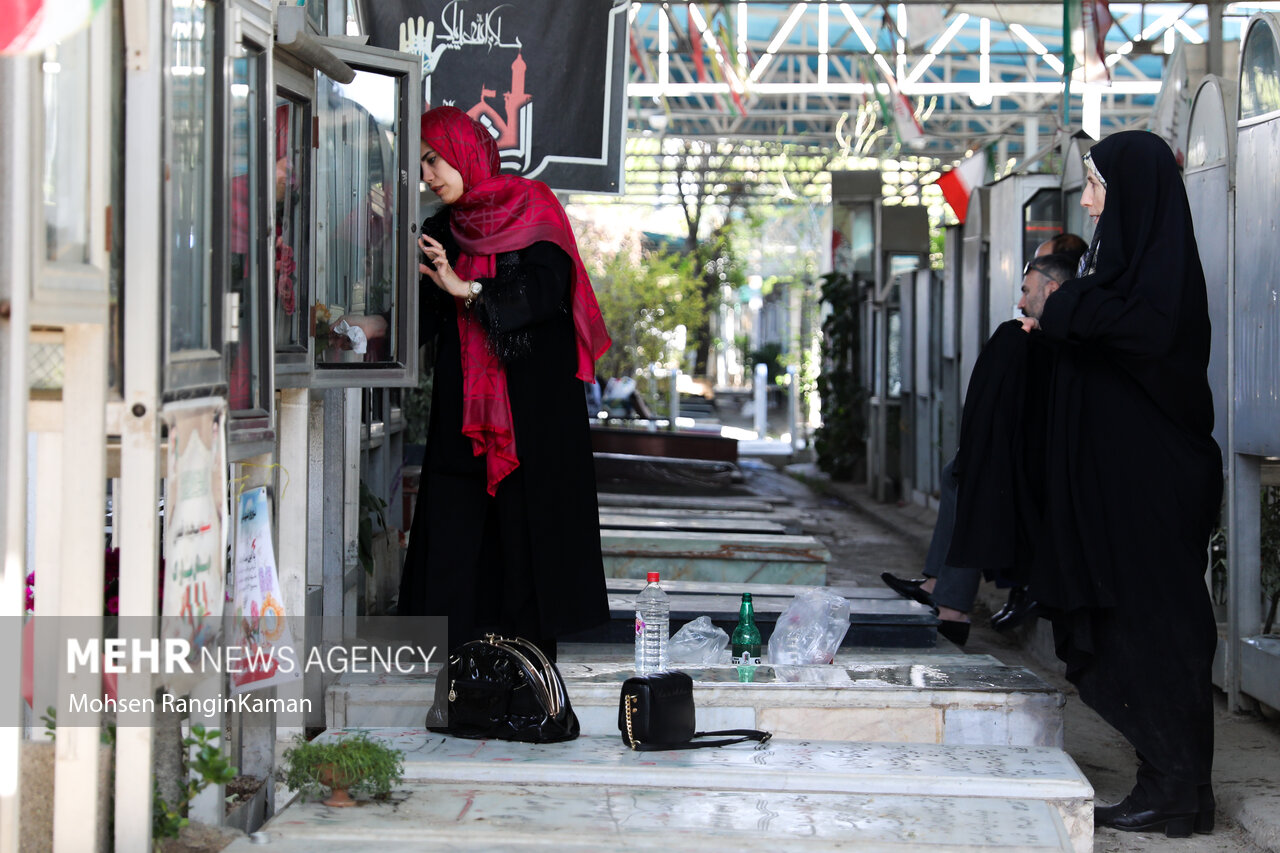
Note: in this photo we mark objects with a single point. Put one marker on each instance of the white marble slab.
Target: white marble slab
(819, 767)
(814, 766)
(452, 816)
(954, 699)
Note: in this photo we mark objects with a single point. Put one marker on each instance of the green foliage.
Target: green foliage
(208, 766)
(840, 441)
(642, 305)
(371, 510)
(50, 719)
(363, 764)
(769, 354)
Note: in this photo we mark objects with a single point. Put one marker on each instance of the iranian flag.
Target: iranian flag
(959, 182)
(1084, 35)
(30, 26)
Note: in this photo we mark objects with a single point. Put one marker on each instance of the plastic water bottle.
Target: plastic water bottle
(653, 622)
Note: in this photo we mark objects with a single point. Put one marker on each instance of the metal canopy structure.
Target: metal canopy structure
(817, 73)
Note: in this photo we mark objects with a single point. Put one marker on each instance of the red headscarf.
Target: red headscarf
(502, 213)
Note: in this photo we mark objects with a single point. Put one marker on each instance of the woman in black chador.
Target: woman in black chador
(506, 533)
(1132, 483)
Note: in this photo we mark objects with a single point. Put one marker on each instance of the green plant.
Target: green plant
(371, 510)
(840, 441)
(207, 766)
(364, 764)
(770, 355)
(643, 304)
(50, 719)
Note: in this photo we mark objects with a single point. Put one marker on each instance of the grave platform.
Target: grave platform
(594, 793)
(719, 557)
(877, 617)
(879, 697)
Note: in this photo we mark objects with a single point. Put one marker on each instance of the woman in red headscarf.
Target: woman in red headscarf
(506, 533)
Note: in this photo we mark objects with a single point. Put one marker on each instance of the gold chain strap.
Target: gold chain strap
(631, 706)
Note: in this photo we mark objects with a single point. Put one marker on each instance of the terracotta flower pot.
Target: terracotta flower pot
(337, 782)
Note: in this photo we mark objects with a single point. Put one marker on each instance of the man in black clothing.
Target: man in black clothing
(952, 589)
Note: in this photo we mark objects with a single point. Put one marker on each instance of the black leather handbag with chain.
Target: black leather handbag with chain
(502, 689)
(656, 712)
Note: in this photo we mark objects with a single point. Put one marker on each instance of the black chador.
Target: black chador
(1132, 475)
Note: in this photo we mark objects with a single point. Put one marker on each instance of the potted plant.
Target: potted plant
(352, 764)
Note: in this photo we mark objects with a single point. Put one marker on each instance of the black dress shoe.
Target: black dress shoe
(1019, 609)
(1127, 817)
(956, 632)
(909, 588)
(1103, 815)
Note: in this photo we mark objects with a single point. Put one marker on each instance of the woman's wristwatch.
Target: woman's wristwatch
(473, 293)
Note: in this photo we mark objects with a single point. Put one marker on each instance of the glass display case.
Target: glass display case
(193, 315)
(363, 313)
(245, 258)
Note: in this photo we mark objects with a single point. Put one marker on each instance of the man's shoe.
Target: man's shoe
(1103, 815)
(956, 632)
(1020, 607)
(909, 588)
(1127, 817)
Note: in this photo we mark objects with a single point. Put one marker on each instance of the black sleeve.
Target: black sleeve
(531, 287)
(434, 305)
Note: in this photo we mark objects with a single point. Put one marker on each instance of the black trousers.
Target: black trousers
(956, 588)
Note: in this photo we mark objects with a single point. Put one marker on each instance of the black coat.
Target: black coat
(527, 560)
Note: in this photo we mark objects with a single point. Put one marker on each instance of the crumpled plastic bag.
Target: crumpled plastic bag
(810, 630)
(355, 334)
(699, 642)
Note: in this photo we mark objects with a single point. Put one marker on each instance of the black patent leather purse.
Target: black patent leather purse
(655, 712)
(502, 688)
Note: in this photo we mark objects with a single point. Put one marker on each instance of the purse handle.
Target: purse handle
(737, 736)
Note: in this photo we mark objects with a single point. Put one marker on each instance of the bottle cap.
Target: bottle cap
(653, 577)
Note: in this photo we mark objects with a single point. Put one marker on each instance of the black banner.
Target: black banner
(547, 79)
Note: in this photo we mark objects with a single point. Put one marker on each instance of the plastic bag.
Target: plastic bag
(810, 630)
(699, 642)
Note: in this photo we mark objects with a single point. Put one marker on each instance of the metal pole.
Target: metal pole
(15, 236)
(674, 398)
(136, 502)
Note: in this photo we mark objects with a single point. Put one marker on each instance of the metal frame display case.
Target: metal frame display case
(294, 199)
(73, 141)
(193, 310)
(366, 211)
(244, 255)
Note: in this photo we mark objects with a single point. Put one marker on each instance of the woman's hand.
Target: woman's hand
(1029, 323)
(439, 270)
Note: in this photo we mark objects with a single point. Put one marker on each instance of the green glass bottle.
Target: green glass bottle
(745, 643)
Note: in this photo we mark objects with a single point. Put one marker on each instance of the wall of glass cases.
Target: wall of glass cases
(363, 315)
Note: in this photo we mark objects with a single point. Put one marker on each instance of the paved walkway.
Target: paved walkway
(891, 537)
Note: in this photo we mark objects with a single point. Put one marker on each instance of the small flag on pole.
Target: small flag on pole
(1085, 24)
(959, 182)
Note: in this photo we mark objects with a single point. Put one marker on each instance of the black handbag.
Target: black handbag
(656, 712)
(502, 688)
